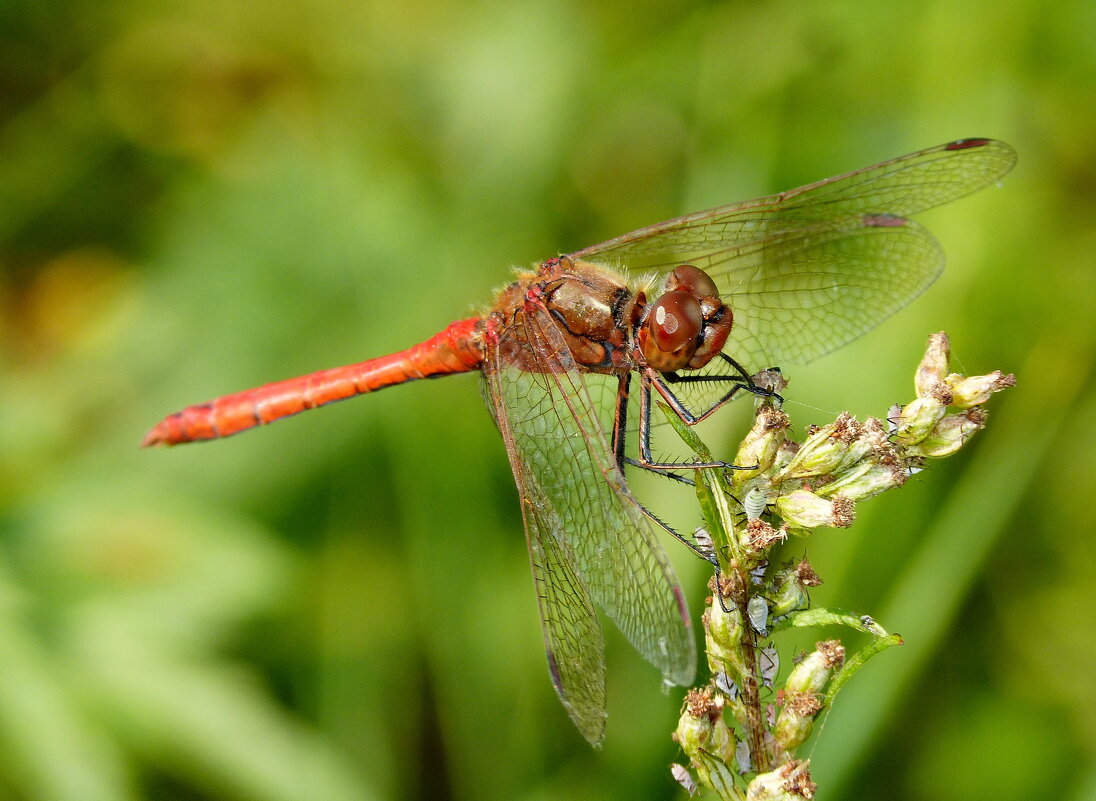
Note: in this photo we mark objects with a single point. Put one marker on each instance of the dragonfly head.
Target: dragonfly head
(686, 327)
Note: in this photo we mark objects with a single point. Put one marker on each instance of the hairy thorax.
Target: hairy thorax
(593, 312)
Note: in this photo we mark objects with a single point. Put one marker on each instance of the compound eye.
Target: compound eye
(694, 280)
(675, 320)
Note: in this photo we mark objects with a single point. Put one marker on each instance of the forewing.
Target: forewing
(588, 539)
(807, 270)
(798, 298)
(899, 187)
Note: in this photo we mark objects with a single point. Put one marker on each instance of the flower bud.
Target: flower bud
(950, 434)
(873, 437)
(694, 727)
(790, 782)
(934, 365)
(812, 673)
(692, 733)
(724, 627)
(722, 742)
(761, 444)
(976, 389)
(870, 478)
(917, 419)
(784, 454)
(723, 634)
(824, 449)
(796, 720)
(804, 509)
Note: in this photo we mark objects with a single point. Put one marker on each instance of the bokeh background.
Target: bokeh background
(198, 196)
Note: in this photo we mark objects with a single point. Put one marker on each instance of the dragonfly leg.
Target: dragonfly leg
(742, 382)
(620, 425)
(646, 461)
(718, 594)
(660, 471)
(706, 555)
(620, 420)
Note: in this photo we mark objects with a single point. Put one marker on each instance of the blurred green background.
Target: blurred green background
(198, 196)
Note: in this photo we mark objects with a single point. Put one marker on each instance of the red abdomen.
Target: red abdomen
(457, 349)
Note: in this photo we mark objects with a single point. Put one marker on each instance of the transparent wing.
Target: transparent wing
(573, 638)
(797, 298)
(589, 541)
(807, 270)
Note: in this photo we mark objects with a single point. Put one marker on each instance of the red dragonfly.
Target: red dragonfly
(803, 272)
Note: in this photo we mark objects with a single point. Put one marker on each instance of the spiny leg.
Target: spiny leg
(620, 425)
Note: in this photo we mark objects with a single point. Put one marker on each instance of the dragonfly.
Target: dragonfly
(678, 308)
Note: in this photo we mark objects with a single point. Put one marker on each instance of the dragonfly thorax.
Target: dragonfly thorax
(585, 307)
(609, 328)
